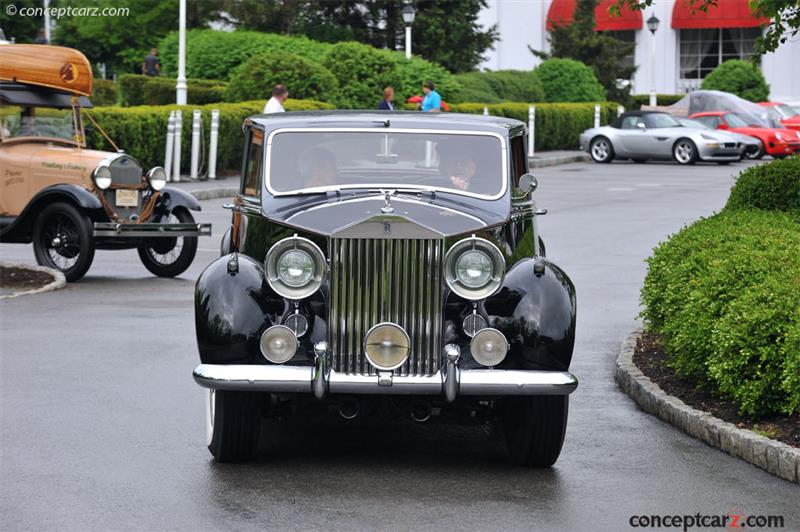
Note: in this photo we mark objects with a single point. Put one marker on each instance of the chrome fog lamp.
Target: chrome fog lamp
(295, 267)
(102, 177)
(387, 346)
(278, 344)
(157, 178)
(489, 347)
(474, 268)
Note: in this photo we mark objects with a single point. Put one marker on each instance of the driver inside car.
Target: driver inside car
(319, 168)
(459, 169)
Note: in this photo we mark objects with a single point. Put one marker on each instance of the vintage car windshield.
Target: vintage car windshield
(19, 122)
(304, 161)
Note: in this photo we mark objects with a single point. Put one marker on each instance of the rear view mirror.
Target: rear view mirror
(527, 184)
(641, 125)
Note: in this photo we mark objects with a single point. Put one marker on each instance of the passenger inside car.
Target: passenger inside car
(319, 168)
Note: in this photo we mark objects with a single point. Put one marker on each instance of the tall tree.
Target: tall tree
(21, 29)
(600, 51)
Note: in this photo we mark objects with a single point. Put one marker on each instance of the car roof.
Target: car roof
(617, 122)
(400, 119)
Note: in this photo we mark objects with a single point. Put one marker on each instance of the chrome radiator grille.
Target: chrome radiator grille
(380, 280)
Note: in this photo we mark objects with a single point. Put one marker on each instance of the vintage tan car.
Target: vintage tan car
(68, 200)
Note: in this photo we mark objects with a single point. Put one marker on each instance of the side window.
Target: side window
(251, 177)
(630, 122)
(519, 159)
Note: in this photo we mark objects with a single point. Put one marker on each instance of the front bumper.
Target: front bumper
(450, 382)
(150, 230)
(719, 153)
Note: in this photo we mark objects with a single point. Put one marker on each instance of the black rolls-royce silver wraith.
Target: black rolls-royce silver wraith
(386, 259)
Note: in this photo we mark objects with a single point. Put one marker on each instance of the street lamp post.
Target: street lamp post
(180, 86)
(408, 17)
(652, 25)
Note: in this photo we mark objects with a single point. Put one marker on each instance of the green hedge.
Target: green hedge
(141, 131)
(256, 77)
(638, 100)
(498, 86)
(773, 186)
(104, 92)
(558, 125)
(742, 78)
(136, 89)
(567, 80)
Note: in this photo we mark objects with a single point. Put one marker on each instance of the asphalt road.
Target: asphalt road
(103, 426)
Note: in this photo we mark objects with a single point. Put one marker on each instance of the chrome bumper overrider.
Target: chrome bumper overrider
(150, 230)
(450, 382)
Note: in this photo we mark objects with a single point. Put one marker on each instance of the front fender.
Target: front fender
(172, 197)
(536, 312)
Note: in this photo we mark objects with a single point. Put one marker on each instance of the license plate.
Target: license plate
(127, 198)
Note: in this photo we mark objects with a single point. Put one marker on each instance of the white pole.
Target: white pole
(47, 20)
(596, 116)
(196, 125)
(212, 145)
(485, 111)
(176, 158)
(170, 145)
(180, 86)
(408, 41)
(531, 129)
(620, 110)
(653, 102)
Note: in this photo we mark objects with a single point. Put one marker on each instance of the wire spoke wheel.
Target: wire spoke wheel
(168, 257)
(63, 240)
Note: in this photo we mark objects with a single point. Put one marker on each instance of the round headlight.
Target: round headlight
(278, 344)
(489, 347)
(386, 346)
(295, 267)
(474, 268)
(157, 178)
(102, 177)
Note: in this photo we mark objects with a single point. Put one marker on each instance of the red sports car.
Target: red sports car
(785, 114)
(777, 142)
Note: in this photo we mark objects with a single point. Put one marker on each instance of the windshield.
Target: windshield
(327, 159)
(19, 122)
(694, 124)
(784, 110)
(735, 120)
(659, 120)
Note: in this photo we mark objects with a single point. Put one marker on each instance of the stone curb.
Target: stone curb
(770, 455)
(214, 193)
(59, 281)
(555, 161)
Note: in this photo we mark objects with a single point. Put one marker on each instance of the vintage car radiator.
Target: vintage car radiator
(386, 280)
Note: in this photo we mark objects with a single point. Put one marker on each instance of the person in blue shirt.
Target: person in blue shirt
(432, 102)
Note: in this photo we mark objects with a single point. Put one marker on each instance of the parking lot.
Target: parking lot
(103, 426)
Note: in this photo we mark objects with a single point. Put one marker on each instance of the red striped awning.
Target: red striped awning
(725, 14)
(561, 12)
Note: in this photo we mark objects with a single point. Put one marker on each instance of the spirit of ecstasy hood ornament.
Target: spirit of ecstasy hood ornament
(387, 198)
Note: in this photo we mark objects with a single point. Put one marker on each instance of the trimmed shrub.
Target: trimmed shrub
(638, 100)
(214, 54)
(411, 74)
(567, 80)
(742, 78)
(362, 72)
(773, 186)
(502, 85)
(141, 131)
(725, 294)
(256, 77)
(136, 89)
(558, 125)
(104, 92)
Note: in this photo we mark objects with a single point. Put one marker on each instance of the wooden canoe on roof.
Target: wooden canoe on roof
(55, 67)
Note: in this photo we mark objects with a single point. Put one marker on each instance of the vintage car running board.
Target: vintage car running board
(151, 230)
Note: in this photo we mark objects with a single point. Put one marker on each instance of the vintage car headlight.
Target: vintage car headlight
(157, 178)
(386, 346)
(102, 177)
(474, 268)
(278, 344)
(295, 267)
(489, 347)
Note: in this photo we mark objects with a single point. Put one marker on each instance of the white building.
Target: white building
(687, 45)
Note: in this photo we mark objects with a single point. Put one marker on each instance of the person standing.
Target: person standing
(279, 95)
(151, 65)
(432, 102)
(41, 38)
(387, 104)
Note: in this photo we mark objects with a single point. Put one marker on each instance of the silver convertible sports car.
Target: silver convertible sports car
(646, 135)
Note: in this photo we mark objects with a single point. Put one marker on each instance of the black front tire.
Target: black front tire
(758, 154)
(601, 150)
(534, 428)
(684, 152)
(233, 422)
(63, 240)
(159, 256)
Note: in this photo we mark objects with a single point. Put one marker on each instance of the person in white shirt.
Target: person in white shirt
(279, 95)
